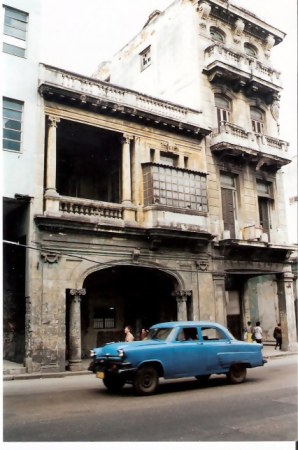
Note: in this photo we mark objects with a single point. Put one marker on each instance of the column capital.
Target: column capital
(77, 292)
(53, 121)
(126, 138)
(181, 296)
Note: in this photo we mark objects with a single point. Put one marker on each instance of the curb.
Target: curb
(37, 376)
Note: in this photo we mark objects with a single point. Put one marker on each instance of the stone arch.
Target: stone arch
(121, 294)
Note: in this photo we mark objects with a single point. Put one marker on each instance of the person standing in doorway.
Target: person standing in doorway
(258, 332)
(277, 334)
(129, 337)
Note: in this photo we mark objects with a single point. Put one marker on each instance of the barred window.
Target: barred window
(145, 58)
(174, 187)
(15, 31)
(12, 124)
(104, 318)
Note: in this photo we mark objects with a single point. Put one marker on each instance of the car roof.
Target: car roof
(185, 323)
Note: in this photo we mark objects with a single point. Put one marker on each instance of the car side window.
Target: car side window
(211, 334)
(187, 334)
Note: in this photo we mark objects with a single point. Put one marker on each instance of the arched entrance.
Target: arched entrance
(125, 295)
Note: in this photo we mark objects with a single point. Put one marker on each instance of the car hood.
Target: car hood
(112, 348)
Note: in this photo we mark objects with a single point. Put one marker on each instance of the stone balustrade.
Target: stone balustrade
(105, 92)
(242, 62)
(71, 206)
(232, 134)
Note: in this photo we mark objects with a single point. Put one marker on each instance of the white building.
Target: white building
(152, 192)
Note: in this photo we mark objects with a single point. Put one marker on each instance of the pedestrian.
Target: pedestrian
(248, 332)
(143, 334)
(258, 332)
(277, 334)
(129, 337)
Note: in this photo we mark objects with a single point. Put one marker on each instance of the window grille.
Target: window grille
(104, 318)
(174, 187)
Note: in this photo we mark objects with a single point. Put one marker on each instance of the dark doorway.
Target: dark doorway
(125, 295)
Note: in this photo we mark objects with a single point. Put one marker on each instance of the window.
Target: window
(168, 159)
(174, 187)
(250, 50)
(213, 334)
(12, 124)
(223, 109)
(145, 58)
(265, 197)
(257, 120)
(187, 334)
(217, 34)
(104, 318)
(15, 31)
(228, 199)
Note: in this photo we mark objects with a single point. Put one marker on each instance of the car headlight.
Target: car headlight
(92, 353)
(120, 352)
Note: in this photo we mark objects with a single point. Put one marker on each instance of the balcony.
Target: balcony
(242, 71)
(232, 140)
(102, 97)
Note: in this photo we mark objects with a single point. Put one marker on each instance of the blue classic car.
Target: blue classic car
(175, 350)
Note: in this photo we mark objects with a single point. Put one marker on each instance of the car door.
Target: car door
(215, 342)
(187, 353)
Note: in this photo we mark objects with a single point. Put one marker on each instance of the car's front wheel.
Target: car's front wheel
(114, 383)
(146, 380)
(237, 374)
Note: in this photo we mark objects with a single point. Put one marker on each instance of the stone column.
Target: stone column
(181, 299)
(287, 310)
(126, 171)
(75, 351)
(220, 298)
(28, 336)
(51, 157)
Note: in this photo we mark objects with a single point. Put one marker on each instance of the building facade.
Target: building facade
(146, 207)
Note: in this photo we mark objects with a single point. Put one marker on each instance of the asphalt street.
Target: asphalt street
(80, 409)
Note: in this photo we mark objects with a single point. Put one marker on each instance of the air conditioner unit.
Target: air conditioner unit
(252, 233)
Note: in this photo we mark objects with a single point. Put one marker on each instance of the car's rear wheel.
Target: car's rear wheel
(114, 383)
(203, 378)
(237, 373)
(146, 380)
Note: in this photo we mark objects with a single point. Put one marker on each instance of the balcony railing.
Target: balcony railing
(70, 206)
(245, 66)
(105, 92)
(229, 134)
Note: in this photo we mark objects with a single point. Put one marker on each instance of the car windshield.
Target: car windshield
(161, 334)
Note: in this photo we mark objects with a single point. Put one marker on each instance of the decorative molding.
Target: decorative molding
(202, 265)
(204, 10)
(50, 257)
(135, 255)
(77, 293)
(274, 108)
(53, 121)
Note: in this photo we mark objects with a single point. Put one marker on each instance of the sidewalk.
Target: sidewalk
(15, 371)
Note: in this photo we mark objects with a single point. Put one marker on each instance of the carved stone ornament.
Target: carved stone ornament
(239, 27)
(202, 265)
(77, 292)
(50, 257)
(269, 43)
(204, 10)
(274, 108)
